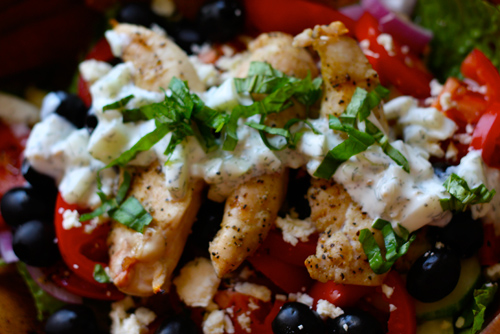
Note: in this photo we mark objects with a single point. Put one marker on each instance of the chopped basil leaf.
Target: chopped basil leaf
(462, 196)
(108, 205)
(133, 115)
(100, 274)
(395, 245)
(132, 214)
(475, 313)
(118, 105)
(358, 110)
(45, 303)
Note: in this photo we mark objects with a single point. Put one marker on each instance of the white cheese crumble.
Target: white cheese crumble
(300, 297)
(392, 308)
(214, 323)
(295, 229)
(493, 272)
(197, 283)
(71, 219)
(118, 42)
(387, 290)
(345, 327)
(123, 322)
(328, 310)
(92, 70)
(254, 290)
(387, 42)
(245, 322)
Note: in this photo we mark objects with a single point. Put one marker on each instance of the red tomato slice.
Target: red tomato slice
(341, 295)
(402, 320)
(65, 278)
(287, 276)
(101, 51)
(479, 68)
(291, 16)
(275, 246)
(80, 251)
(403, 70)
(11, 148)
(240, 304)
(489, 253)
(468, 106)
(486, 136)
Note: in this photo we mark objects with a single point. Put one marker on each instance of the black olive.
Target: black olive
(207, 223)
(295, 318)
(21, 204)
(39, 181)
(463, 234)
(434, 275)
(137, 13)
(177, 325)
(91, 122)
(298, 184)
(185, 35)
(440, 168)
(72, 319)
(354, 321)
(33, 243)
(221, 20)
(72, 108)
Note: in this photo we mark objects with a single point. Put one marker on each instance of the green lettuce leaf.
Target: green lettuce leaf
(45, 303)
(458, 27)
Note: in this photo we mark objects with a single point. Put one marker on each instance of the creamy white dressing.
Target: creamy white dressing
(372, 179)
(425, 128)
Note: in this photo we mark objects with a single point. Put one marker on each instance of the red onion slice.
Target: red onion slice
(352, 11)
(403, 30)
(51, 288)
(6, 247)
(376, 8)
(406, 32)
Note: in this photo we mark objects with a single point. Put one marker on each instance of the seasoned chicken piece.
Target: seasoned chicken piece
(142, 263)
(157, 59)
(339, 254)
(343, 65)
(276, 49)
(253, 207)
(249, 213)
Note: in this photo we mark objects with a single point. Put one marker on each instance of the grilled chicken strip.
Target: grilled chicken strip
(252, 208)
(156, 58)
(249, 213)
(141, 264)
(339, 254)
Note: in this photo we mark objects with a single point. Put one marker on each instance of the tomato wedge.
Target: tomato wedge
(479, 68)
(291, 16)
(341, 295)
(102, 52)
(486, 136)
(402, 69)
(80, 251)
(402, 320)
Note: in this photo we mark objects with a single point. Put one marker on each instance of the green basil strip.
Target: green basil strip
(133, 115)
(132, 214)
(100, 274)
(144, 144)
(388, 149)
(462, 196)
(395, 245)
(356, 143)
(118, 104)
